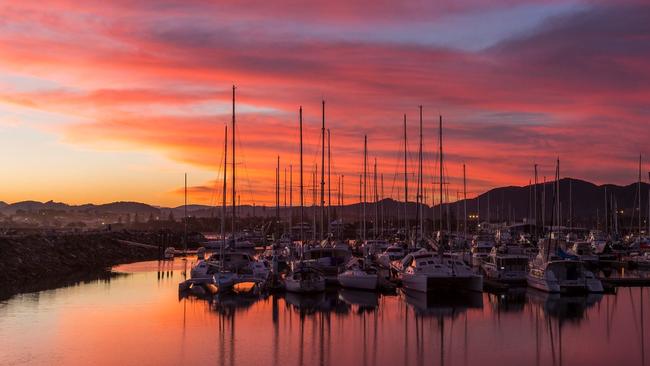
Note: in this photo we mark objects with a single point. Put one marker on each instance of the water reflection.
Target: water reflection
(141, 312)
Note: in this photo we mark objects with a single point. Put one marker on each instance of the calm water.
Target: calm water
(139, 319)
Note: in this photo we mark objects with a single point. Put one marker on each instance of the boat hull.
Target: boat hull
(565, 287)
(424, 283)
(303, 287)
(361, 282)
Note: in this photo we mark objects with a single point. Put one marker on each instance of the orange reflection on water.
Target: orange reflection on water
(140, 319)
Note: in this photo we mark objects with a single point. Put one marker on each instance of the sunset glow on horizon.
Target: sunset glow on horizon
(115, 102)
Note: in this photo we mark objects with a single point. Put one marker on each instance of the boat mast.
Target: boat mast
(544, 205)
(639, 184)
(464, 204)
(365, 179)
(376, 199)
(329, 183)
(419, 194)
(381, 200)
(290, 200)
(341, 227)
(224, 193)
(361, 206)
(234, 196)
(381, 197)
(535, 203)
(185, 226)
(441, 173)
(277, 198)
(314, 197)
(302, 203)
(322, 177)
(406, 186)
(285, 193)
(557, 200)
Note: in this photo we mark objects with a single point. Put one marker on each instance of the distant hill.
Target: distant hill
(581, 202)
(502, 204)
(115, 207)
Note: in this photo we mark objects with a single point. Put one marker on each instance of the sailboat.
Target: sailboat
(552, 270)
(427, 271)
(229, 267)
(303, 277)
(358, 274)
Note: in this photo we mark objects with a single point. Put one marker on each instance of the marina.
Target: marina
(139, 310)
(340, 183)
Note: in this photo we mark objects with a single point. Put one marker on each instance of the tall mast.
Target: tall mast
(342, 204)
(639, 195)
(329, 182)
(365, 185)
(464, 204)
(535, 203)
(406, 189)
(557, 194)
(185, 227)
(361, 205)
(376, 199)
(234, 196)
(381, 197)
(277, 197)
(224, 193)
(314, 197)
(285, 191)
(420, 173)
(441, 173)
(544, 205)
(302, 203)
(290, 199)
(322, 177)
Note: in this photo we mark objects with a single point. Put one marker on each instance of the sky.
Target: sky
(103, 101)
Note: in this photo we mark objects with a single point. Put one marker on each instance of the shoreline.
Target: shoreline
(39, 262)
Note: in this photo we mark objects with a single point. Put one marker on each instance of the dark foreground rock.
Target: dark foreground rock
(37, 262)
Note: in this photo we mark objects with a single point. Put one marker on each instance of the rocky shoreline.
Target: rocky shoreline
(37, 262)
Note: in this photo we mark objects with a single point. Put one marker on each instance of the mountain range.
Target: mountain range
(580, 201)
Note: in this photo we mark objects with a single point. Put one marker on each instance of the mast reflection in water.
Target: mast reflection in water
(140, 319)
